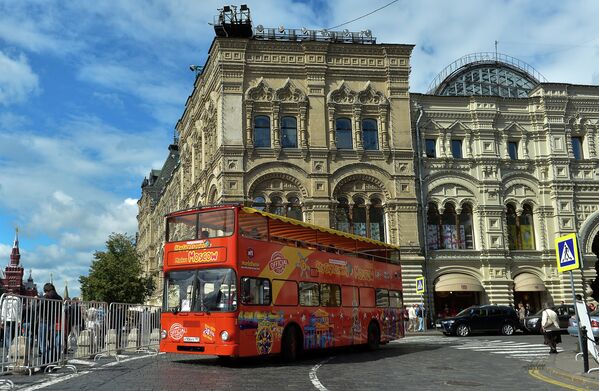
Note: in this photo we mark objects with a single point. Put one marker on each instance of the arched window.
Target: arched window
(376, 219)
(343, 133)
(433, 224)
(527, 233)
(512, 227)
(449, 231)
(259, 203)
(521, 235)
(342, 220)
(288, 132)
(276, 206)
(465, 232)
(261, 131)
(294, 209)
(370, 139)
(359, 217)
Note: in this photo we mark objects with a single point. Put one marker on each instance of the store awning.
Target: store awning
(527, 282)
(456, 282)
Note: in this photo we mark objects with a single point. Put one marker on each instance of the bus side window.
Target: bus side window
(255, 291)
(395, 300)
(330, 295)
(308, 294)
(382, 298)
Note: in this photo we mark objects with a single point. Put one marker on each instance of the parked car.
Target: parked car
(477, 319)
(532, 323)
(573, 324)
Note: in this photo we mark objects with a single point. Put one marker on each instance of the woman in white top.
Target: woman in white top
(551, 329)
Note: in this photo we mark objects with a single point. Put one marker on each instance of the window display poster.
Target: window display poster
(432, 237)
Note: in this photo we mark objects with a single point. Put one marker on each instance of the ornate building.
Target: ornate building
(509, 162)
(13, 274)
(303, 125)
(322, 128)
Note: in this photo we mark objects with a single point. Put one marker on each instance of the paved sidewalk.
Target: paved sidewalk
(564, 367)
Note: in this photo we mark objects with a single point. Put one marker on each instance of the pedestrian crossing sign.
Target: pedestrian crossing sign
(420, 285)
(566, 252)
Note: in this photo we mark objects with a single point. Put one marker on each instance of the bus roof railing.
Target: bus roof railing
(321, 229)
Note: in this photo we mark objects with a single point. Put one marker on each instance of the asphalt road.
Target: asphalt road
(417, 362)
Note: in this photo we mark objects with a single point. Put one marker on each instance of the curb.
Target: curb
(580, 379)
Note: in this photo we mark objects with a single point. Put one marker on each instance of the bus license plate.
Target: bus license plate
(191, 339)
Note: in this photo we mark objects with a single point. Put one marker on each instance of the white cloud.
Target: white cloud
(17, 80)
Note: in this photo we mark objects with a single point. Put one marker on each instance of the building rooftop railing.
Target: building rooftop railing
(484, 58)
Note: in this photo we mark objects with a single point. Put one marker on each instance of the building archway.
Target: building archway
(455, 292)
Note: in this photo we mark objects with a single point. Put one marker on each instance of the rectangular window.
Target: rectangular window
(255, 291)
(370, 140)
(288, 132)
(456, 149)
(431, 147)
(577, 148)
(330, 295)
(512, 148)
(216, 224)
(351, 296)
(261, 131)
(382, 298)
(285, 291)
(343, 133)
(367, 297)
(309, 294)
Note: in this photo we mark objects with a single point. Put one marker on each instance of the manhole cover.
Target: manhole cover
(465, 383)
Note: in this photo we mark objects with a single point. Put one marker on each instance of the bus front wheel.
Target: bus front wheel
(374, 336)
(290, 347)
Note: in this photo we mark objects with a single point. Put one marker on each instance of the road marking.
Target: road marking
(54, 381)
(314, 379)
(128, 359)
(535, 373)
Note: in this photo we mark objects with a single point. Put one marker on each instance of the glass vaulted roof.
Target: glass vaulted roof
(489, 74)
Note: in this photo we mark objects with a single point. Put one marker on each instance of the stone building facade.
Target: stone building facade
(316, 130)
(326, 132)
(503, 176)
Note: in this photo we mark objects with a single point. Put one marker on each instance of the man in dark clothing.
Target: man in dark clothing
(49, 324)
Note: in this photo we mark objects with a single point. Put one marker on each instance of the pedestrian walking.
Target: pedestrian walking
(551, 330)
(521, 313)
(405, 313)
(412, 318)
(49, 325)
(420, 315)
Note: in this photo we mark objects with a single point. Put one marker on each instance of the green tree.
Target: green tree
(115, 275)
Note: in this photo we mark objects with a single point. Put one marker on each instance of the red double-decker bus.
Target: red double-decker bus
(240, 282)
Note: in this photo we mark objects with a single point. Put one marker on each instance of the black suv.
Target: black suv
(532, 324)
(486, 318)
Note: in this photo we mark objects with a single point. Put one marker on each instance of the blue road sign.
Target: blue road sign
(420, 285)
(566, 252)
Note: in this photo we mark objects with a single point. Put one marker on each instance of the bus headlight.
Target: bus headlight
(163, 334)
(224, 335)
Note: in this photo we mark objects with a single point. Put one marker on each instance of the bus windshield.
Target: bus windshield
(203, 290)
(202, 225)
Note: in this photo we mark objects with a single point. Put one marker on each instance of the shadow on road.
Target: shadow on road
(343, 355)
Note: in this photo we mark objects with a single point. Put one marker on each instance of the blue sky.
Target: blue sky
(90, 93)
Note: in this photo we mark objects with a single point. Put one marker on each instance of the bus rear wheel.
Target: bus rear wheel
(290, 348)
(374, 336)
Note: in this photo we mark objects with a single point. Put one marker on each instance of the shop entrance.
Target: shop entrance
(450, 303)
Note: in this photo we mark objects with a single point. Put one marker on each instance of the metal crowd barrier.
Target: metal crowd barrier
(136, 328)
(39, 333)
